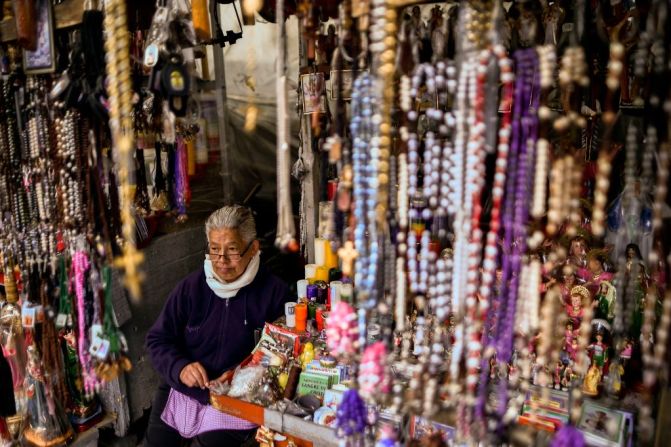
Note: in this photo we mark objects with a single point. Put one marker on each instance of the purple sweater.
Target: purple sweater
(197, 325)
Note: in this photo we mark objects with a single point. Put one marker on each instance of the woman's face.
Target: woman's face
(229, 243)
(594, 265)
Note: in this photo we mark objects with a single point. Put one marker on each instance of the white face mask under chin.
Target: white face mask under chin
(229, 289)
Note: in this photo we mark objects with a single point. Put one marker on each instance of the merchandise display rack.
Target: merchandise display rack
(301, 432)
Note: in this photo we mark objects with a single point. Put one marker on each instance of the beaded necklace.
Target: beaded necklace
(488, 277)
(364, 127)
(524, 130)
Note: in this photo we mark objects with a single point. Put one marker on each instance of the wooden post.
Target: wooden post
(310, 185)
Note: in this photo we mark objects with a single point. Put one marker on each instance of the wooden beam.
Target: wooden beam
(66, 14)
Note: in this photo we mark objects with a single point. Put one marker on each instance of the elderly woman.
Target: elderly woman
(207, 328)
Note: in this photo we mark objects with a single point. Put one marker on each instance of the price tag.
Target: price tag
(61, 321)
(103, 349)
(28, 316)
(95, 346)
(96, 331)
(39, 314)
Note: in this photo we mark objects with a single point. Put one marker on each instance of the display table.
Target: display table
(302, 433)
(89, 438)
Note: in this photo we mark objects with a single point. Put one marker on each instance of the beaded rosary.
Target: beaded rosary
(488, 277)
(521, 156)
(119, 89)
(366, 150)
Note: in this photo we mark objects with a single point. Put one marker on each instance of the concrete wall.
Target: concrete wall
(167, 260)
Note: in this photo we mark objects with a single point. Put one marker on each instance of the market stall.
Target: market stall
(483, 214)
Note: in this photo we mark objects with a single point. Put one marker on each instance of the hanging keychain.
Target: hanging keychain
(175, 83)
(157, 36)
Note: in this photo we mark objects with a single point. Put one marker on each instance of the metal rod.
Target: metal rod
(222, 109)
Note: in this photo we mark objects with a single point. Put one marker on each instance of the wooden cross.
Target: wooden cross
(347, 255)
(130, 262)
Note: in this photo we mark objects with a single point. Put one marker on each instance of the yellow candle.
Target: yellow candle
(322, 274)
(331, 258)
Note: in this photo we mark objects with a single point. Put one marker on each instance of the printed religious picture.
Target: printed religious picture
(602, 426)
(43, 59)
(347, 77)
(421, 428)
(313, 85)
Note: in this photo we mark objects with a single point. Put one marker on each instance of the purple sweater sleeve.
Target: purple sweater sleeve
(163, 340)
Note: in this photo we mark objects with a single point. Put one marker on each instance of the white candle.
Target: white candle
(302, 289)
(310, 271)
(334, 290)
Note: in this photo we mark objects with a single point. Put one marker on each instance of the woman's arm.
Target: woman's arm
(165, 338)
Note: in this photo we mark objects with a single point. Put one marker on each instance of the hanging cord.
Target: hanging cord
(53, 362)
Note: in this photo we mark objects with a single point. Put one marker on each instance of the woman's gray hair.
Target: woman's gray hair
(235, 217)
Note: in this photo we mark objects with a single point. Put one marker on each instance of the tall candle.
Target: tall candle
(320, 251)
(310, 271)
(302, 289)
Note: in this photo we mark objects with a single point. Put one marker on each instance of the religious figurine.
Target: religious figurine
(47, 423)
(633, 255)
(598, 352)
(639, 298)
(570, 335)
(567, 378)
(574, 348)
(604, 302)
(553, 18)
(437, 33)
(590, 385)
(529, 24)
(12, 340)
(419, 28)
(578, 252)
(535, 368)
(630, 220)
(331, 42)
(576, 308)
(407, 56)
(567, 283)
(620, 24)
(628, 349)
(451, 32)
(84, 411)
(493, 368)
(594, 274)
(557, 375)
(614, 379)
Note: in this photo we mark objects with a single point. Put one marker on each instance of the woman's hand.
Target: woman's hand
(193, 375)
(225, 377)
